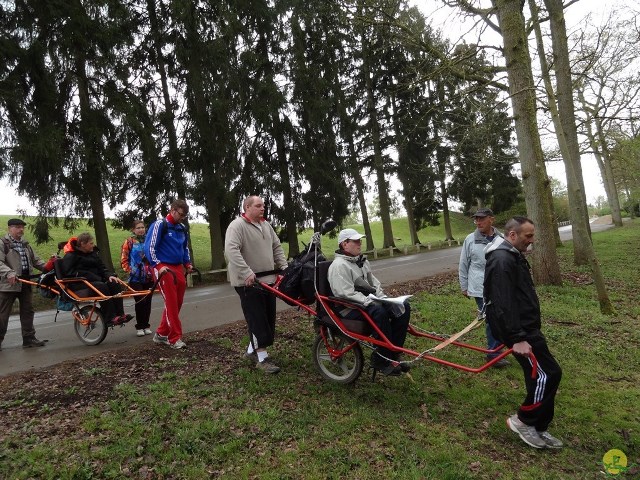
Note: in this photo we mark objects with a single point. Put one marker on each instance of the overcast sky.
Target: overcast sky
(454, 27)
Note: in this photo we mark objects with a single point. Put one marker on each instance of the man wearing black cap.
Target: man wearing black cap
(471, 270)
(17, 258)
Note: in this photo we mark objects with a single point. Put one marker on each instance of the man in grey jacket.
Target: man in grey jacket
(471, 270)
(349, 275)
(17, 259)
(252, 246)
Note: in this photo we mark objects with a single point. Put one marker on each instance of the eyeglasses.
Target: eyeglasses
(181, 213)
(354, 241)
(479, 219)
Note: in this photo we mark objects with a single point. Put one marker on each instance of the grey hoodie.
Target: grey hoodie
(343, 274)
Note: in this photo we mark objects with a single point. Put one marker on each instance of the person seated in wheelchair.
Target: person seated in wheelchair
(350, 278)
(83, 261)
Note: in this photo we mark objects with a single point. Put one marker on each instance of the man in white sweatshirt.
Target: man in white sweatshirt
(252, 246)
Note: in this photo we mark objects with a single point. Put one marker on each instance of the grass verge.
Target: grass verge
(203, 413)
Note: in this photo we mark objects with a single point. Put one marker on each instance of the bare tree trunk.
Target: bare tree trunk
(576, 193)
(287, 194)
(378, 161)
(604, 162)
(92, 177)
(356, 174)
(408, 206)
(597, 141)
(442, 174)
(534, 174)
(168, 119)
(408, 202)
(583, 248)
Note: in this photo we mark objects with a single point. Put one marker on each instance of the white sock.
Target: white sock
(250, 349)
(262, 356)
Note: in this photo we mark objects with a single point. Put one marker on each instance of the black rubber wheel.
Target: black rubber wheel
(90, 325)
(344, 369)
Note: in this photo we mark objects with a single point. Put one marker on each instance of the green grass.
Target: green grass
(230, 421)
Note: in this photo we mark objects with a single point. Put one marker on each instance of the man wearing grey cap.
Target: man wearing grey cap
(17, 259)
(349, 276)
(471, 270)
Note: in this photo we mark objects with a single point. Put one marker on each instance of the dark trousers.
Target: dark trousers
(25, 299)
(110, 308)
(142, 305)
(259, 310)
(394, 328)
(538, 407)
(492, 342)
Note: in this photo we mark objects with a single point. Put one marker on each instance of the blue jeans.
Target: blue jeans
(491, 341)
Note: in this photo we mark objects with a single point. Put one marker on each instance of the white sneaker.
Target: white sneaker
(550, 440)
(178, 345)
(527, 433)
(147, 331)
(140, 333)
(160, 339)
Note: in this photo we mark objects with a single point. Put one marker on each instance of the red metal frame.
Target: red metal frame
(384, 341)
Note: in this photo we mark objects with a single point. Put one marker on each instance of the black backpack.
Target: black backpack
(47, 280)
(298, 279)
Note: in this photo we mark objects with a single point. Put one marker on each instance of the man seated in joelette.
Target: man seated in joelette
(348, 273)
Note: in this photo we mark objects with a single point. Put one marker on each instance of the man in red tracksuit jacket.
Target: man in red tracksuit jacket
(166, 248)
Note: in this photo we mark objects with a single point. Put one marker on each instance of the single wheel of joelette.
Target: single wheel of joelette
(89, 324)
(344, 369)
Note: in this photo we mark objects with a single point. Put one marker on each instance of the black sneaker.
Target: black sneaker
(28, 342)
(384, 366)
(502, 363)
(404, 366)
(251, 358)
(267, 366)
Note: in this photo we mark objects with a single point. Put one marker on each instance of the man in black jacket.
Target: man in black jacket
(513, 313)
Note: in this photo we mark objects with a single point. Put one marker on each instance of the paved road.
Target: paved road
(203, 308)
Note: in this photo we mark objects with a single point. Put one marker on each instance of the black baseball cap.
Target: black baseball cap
(16, 221)
(483, 212)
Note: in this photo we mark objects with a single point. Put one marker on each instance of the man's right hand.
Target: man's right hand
(12, 279)
(250, 280)
(522, 348)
